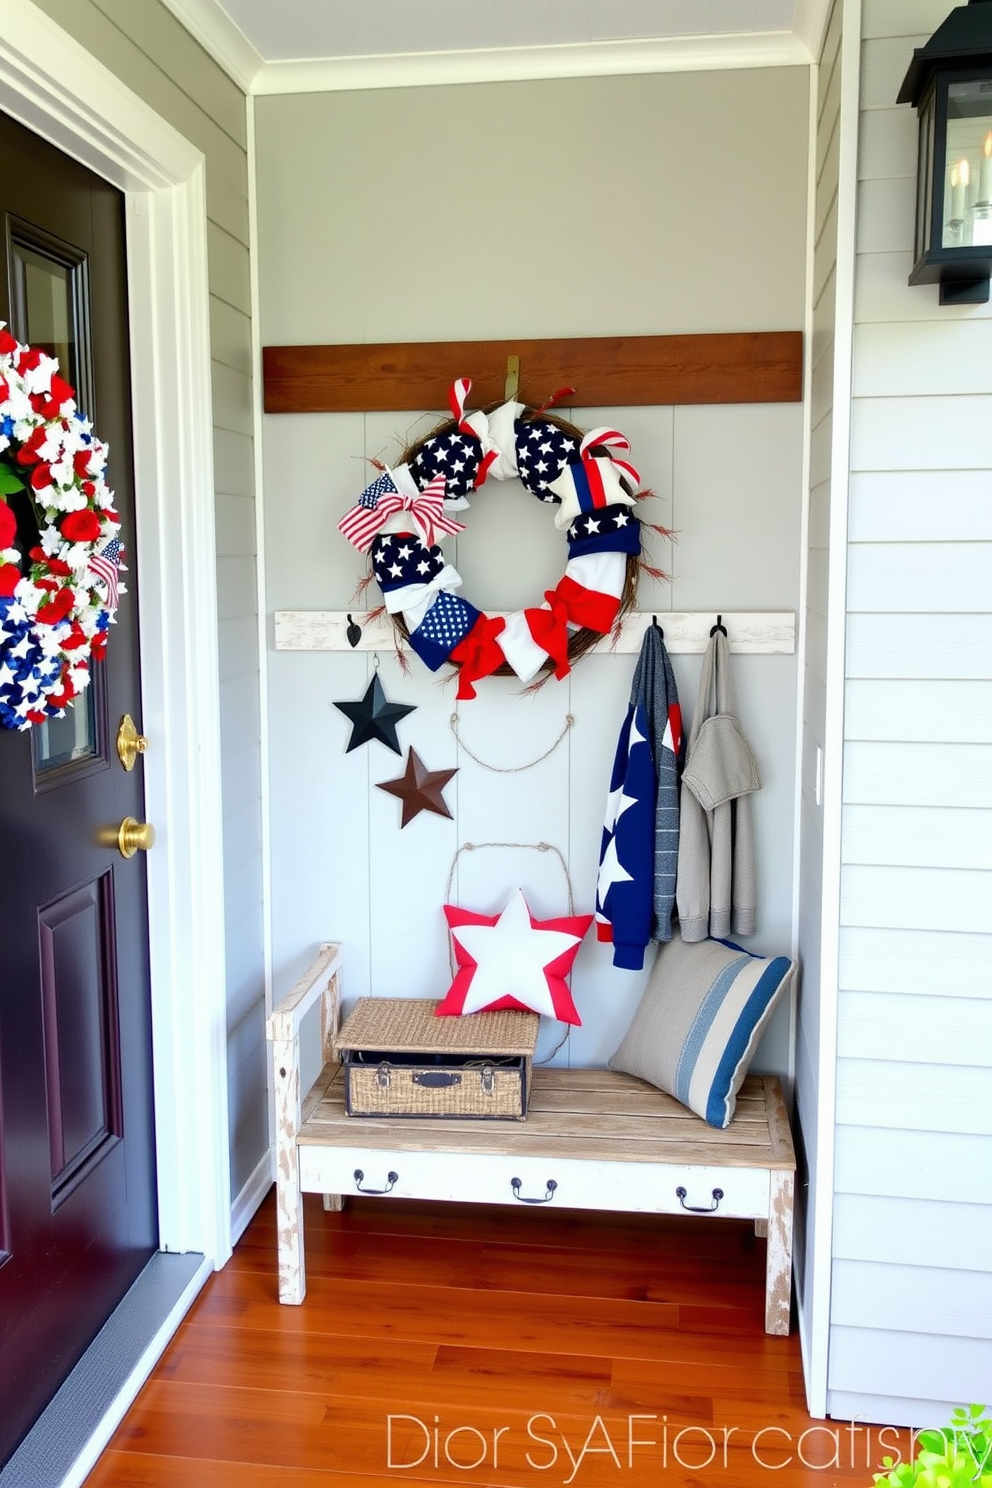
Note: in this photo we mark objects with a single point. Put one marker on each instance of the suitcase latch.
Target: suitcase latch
(383, 1075)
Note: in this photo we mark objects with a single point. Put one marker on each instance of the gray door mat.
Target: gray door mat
(65, 1442)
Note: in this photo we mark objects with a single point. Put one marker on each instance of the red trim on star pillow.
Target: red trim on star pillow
(514, 950)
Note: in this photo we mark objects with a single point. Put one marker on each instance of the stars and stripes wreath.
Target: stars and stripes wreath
(60, 547)
(401, 519)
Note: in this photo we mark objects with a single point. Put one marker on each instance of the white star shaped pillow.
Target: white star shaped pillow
(512, 960)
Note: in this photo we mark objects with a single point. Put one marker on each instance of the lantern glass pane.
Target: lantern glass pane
(924, 178)
(967, 164)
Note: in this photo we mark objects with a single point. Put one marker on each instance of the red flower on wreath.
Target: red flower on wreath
(81, 526)
(54, 610)
(8, 525)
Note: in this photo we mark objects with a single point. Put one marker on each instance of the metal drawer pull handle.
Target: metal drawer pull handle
(516, 1185)
(680, 1194)
(436, 1079)
(391, 1179)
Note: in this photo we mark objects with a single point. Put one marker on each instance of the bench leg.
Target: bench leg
(761, 1228)
(778, 1263)
(289, 1198)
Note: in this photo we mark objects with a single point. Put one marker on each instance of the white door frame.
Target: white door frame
(58, 89)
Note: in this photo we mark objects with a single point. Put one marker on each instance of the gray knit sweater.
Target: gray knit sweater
(717, 882)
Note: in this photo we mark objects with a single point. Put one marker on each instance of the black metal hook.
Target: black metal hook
(719, 626)
(657, 627)
(354, 632)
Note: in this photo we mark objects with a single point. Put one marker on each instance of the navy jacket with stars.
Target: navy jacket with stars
(625, 890)
(638, 870)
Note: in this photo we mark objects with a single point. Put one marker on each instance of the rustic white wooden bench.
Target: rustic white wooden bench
(593, 1139)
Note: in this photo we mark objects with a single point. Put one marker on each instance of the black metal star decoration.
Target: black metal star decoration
(374, 718)
(419, 788)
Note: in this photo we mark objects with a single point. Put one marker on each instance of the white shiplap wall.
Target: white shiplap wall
(143, 43)
(911, 1318)
(369, 229)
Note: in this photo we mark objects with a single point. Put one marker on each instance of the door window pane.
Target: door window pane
(62, 741)
(49, 300)
(49, 311)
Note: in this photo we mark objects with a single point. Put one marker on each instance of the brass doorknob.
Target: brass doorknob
(134, 836)
(129, 742)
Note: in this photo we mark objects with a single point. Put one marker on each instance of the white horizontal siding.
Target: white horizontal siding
(920, 962)
(880, 294)
(923, 1030)
(932, 506)
(916, 898)
(885, 213)
(887, 774)
(921, 433)
(934, 360)
(913, 1232)
(912, 1299)
(922, 646)
(929, 1166)
(912, 1368)
(888, 152)
(915, 1097)
(918, 837)
(955, 710)
(883, 62)
(894, 1410)
(922, 577)
(901, 18)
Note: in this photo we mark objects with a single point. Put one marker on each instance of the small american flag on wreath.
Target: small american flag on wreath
(360, 524)
(105, 567)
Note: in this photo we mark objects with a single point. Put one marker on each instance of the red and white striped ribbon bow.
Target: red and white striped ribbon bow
(361, 524)
(476, 424)
(612, 439)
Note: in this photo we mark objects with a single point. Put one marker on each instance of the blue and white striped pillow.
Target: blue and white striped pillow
(703, 1012)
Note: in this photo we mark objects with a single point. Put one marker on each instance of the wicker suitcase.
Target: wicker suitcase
(401, 1060)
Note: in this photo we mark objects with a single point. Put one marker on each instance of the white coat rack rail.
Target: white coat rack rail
(750, 632)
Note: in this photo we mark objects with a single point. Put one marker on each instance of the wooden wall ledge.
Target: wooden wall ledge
(607, 371)
(750, 633)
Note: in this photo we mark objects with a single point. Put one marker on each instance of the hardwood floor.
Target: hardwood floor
(500, 1347)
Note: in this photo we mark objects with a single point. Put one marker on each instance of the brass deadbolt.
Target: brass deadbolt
(134, 836)
(129, 742)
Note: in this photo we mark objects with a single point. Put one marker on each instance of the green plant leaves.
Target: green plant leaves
(959, 1456)
(9, 482)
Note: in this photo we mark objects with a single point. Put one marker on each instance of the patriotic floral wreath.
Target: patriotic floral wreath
(401, 516)
(59, 546)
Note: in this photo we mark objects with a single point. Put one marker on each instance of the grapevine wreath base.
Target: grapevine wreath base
(402, 517)
(60, 550)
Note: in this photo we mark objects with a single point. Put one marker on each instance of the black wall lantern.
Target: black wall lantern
(949, 82)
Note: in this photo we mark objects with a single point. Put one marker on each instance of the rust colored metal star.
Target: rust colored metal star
(418, 788)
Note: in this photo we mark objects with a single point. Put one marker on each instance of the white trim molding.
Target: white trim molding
(81, 107)
(821, 1211)
(524, 64)
(221, 37)
(810, 25)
